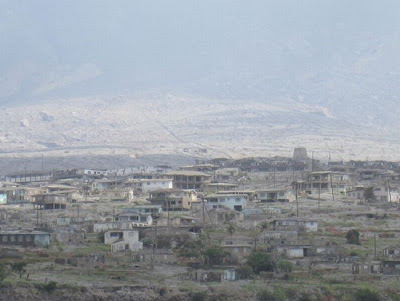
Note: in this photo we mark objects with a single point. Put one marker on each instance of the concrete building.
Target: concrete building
(49, 201)
(123, 240)
(147, 185)
(136, 218)
(188, 179)
(25, 238)
(276, 195)
(291, 224)
(173, 199)
(154, 210)
(230, 201)
(325, 182)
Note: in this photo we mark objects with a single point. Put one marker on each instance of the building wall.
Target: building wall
(154, 185)
(129, 236)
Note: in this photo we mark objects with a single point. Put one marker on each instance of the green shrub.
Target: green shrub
(198, 296)
(3, 271)
(260, 262)
(284, 266)
(100, 237)
(50, 286)
(245, 272)
(365, 294)
(147, 242)
(353, 237)
(265, 295)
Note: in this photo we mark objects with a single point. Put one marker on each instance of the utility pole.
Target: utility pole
(42, 175)
(333, 196)
(202, 202)
(154, 246)
(297, 202)
(375, 246)
(319, 194)
(165, 198)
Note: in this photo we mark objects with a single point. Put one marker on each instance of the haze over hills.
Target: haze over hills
(235, 77)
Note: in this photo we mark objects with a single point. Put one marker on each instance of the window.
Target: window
(28, 238)
(12, 238)
(237, 200)
(114, 234)
(377, 189)
(20, 238)
(5, 238)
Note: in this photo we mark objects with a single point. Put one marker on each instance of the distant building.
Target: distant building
(276, 195)
(324, 182)
(292, 224)
(173, 199)
(29, 177)
(25, 238)
(147, 185)
(188, 179)
(123, 240)
(230, 201)
(49, 201)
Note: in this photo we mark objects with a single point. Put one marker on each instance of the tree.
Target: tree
(260, 262)
(215, 255)
(19, 267)
(369, 194)
(353, 237)
(3, 271)
(231, 229)
(284, 266)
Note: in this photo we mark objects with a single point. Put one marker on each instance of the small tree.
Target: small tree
(215, 255)
(3, 271)
(231, 229)
(353, 237)
(260, 262)
(284, 266)
(19, 267)
(369, 194)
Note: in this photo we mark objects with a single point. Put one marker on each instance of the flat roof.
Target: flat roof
(186, 173)
(35, 232)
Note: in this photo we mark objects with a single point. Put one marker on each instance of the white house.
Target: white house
(147, 185)
(123, 240)
(276, 195)
(232, 201)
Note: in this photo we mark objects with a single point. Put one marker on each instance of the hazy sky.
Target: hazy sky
(219, 48)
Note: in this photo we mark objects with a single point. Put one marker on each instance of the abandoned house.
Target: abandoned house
(188, 179)
(123, 240)
(276, 195)
(230, 201)
(173, 199)
(363, 268)
(324, 182)
(392, 252)
(137, 218)
(49, 201)
(390, 267)
(154, 210)
(147, 185)
(25, 238)
(293, 224)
